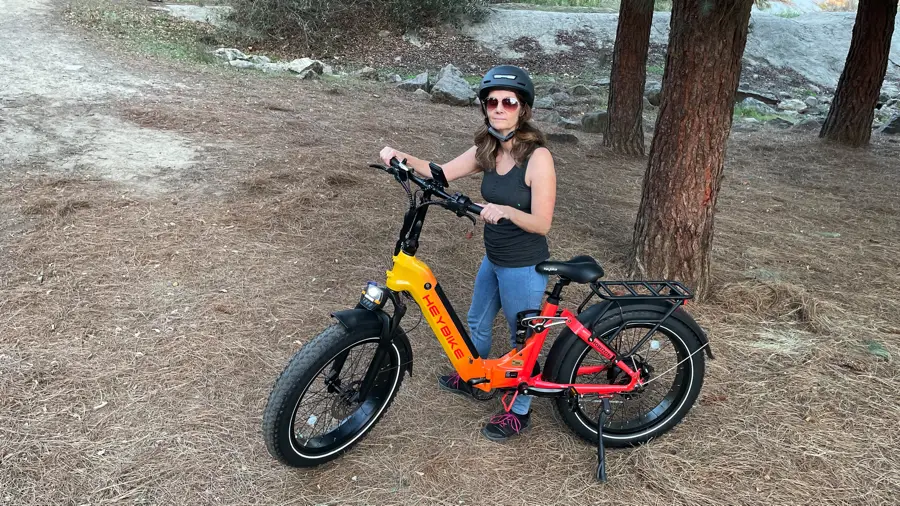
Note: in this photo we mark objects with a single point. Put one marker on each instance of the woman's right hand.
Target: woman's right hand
(388, 152)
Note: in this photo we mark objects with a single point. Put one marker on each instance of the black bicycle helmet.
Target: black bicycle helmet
(507, 77)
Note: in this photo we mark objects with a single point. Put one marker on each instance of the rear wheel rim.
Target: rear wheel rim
(325, 421)
(637, 413)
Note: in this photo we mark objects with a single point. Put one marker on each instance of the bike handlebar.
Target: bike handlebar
(458, 203)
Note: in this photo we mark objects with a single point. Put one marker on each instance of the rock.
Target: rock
(653, 92)
(595, 122)
(580, 90)
(365, 73)
(306, 68)
(422, 95)
(792, 105)
(452, 89)
(260, 59)
(420, 82)
(384, 33)
(808, 125)
(562, 138)
(779, 123)
(547, 116)
(561, 97)
(815, 89)
(811, 101)
(230, 54)
(569, 124)
(602, 82)
(766, 98)
(892, 127)
(241, 64)
(395, 78)
(271, 67)
(750, 120)
(648, 106)
(544, 103)
(449, 70)
(889, 91)
(826, 99)
(756, 105)
(784, 95)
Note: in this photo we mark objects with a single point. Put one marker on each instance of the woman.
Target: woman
(519, 184)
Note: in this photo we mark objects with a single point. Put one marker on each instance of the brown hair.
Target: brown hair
(527, 138)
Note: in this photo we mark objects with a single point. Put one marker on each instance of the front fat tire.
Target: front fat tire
(304, 367)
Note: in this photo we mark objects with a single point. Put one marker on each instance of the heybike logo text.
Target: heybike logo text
(443, 327)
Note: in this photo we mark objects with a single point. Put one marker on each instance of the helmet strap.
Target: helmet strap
(500, 137)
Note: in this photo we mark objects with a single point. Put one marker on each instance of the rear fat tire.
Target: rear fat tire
(686, 342)
(304, 367)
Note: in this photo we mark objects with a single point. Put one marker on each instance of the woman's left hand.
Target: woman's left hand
(492, 213)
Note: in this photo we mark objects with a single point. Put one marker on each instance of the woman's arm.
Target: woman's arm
(461, 166)
(542, 175)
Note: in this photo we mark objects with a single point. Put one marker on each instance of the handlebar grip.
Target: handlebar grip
(474, 209)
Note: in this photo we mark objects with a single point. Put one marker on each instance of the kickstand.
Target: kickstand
(601, 452)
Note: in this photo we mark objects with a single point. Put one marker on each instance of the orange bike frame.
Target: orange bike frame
(512, 370)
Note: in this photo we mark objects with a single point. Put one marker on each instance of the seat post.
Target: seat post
(554, 296)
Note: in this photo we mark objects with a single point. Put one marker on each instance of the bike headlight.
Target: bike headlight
(372, 296)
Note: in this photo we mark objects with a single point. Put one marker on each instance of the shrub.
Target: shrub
(321, 24)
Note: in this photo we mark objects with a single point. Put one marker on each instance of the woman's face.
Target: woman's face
(503, 109)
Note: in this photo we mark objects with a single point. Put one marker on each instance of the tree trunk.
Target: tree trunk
(674, 228)
(625, 129)
(850, 117)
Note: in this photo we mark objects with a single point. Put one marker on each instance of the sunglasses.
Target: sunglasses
(509, 103)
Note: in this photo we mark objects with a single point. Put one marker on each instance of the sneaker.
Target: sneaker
(454, 383)
(505, 425)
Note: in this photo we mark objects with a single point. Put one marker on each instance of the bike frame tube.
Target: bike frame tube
(513, 370)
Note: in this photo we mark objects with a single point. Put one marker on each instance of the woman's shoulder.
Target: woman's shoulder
(539, 157)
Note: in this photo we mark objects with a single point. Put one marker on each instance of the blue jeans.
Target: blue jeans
(513, 289)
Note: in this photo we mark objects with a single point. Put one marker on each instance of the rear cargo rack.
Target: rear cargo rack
(637, 290)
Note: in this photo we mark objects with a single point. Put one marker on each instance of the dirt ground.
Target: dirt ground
(172, 235)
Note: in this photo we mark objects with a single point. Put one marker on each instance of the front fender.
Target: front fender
(369, 322)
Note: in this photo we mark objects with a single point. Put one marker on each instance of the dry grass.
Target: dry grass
(141, 333)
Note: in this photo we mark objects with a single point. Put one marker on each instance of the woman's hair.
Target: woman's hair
(526, 139)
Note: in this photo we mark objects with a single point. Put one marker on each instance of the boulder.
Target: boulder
(229, 54)
(449, 70)
(420, 82)
(306, 68)
(544, 103)
(808, 125)
(241, 64)
(561, 97)
(811, 101)
(580, 90)
(452, 89)
(892, 127)
(757, 105)
(562, 138)
(260, 59)
(422, 95)
(792, 105)
(569, 124)
(595, 122)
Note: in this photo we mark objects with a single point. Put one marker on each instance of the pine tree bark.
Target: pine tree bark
(625, 129)
(849, 119)
(674, 228)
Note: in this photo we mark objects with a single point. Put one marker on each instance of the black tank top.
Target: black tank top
(505, 243)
